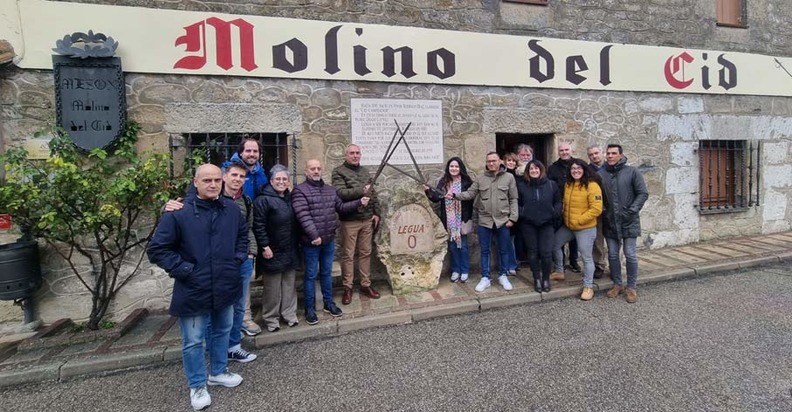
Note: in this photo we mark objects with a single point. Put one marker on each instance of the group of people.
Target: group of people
(235, 219)
(527, 207)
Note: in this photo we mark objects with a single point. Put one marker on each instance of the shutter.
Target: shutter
(729, 12)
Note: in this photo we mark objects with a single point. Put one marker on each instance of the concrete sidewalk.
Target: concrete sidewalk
(147, 339)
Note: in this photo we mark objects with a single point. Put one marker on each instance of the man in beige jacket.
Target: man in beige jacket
(495, 192)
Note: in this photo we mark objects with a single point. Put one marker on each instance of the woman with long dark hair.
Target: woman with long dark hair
(455, 214)
(540, 206)
(582, 204)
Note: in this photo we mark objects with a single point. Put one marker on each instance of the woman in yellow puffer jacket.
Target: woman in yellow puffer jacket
(582, 204)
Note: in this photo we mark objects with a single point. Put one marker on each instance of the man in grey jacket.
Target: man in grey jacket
(625, 193)
(496, 201)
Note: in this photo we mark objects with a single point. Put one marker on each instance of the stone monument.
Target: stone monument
(411, 242)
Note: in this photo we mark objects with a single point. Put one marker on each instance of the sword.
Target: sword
(415, 164)
(407, 174)
(390, 152)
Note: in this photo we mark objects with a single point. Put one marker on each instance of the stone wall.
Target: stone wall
(660, 132)
(674, 23)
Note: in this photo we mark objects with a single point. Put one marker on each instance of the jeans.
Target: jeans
(585, 240)
(540, 241)
(512, 262)
(193, 329)
(503, 237)
(246, 270)
(460, 258)
(630, 256)
(322, 257)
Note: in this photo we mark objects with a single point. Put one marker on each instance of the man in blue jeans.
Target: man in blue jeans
(625, 193)
(497, 210)
(234, 176)
(202, 247)
(315, 205)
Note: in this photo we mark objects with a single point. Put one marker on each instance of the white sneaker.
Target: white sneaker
(227, 379)
(483, 284)
(504, 281)
(463, 277)
(454, 276)
(199, 398)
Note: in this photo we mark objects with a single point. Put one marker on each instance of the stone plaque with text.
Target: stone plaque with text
(373, 127)
(411, 230)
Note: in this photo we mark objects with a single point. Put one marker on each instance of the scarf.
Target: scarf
(453, 210)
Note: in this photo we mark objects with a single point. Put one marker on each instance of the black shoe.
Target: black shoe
(310, 317)
(333, 310)
(574, 267)
(537, 285)
(546, 286)
(598, 273)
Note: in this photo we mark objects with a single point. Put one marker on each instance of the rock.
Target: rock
(411, 242)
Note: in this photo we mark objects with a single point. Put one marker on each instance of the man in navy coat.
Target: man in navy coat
(192, 245)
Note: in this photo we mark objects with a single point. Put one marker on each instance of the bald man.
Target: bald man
(202, 247)
(316, 205)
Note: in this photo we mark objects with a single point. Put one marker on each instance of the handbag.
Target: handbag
(466, 228)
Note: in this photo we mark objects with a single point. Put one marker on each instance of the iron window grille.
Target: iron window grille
(729, 175)
(217, 148)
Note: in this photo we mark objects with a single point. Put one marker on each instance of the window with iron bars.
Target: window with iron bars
(729, 178)
(216, 148)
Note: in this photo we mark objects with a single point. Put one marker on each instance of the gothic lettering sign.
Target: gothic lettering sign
(215, 44)
(411, 231)
(91, 99)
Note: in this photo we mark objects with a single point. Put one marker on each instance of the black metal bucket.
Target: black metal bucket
(20, 270)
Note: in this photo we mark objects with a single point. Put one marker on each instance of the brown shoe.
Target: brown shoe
(615, 291)
(347, 299)
(631, 295)
(587, 294)
(558, 276)
(370, 292)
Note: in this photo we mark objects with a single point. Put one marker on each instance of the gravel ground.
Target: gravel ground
(719, 343)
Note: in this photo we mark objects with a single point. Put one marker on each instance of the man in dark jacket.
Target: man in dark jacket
(315, 205)
(202, 247)
(625, 194)
(351, 181)
(558, 172)
(597, 163)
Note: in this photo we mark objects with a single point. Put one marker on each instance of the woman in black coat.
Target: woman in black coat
(540, 206)
(274, 226)
(455, 214)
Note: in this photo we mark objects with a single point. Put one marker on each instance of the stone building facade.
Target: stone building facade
(661, 132)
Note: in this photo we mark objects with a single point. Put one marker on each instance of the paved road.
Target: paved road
(720, 343)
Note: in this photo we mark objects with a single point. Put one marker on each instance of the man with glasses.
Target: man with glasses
(497, 210)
